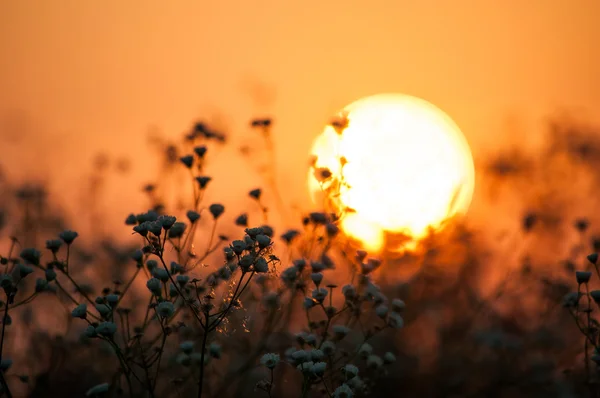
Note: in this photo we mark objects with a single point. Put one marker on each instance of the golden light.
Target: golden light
(392, 164)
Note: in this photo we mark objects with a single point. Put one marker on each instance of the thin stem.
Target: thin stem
(4, 320)
(202, 353)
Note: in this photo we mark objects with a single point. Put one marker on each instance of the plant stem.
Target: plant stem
(204, 340)
(4, 319)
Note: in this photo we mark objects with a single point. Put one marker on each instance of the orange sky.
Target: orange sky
(77, 76)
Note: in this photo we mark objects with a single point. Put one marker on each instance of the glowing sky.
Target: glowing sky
(77, 76)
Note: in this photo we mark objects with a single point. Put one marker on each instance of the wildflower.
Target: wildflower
(300, 264)
(216, 209)
(270, 360)
(131, 219)
(137, 255)
(395, 320)
(300, 356)
(246, 261)
(381, 311)
(263, 241)
(165, 309)
(571, 300)
(398, 305)
(151, 265)
(31, 255)
(53, 245)
(203, 181)
(374, 362)
(350, 371)
(261, 265)
(149, 216)
(177, 230)
(365, 350)
(593, 258)
(305, 367)
(182, 279)
(349, 292)
(316, 277)
(41, 285)
(103, 309)
(200, 151)
(332, 230)
(268, 230)
(328, 348)
(355, 383)
(155, 227)
(249, 241)
(289, 275)
(289, 235)
(319, 368)
(389, 358)
(309, 303)
(68, 236)
(176, 268)
(187, 347)
(24, 270)
(343, 391)
(193, 216)
(167, 221)
(112, 299)
(215, 350)
(340, 331)
(255, 193)
(371, 265)
(97, 390)
(242, 220)
(6, 281)
(317, 266)
(50, 274)
(154, 286)
(583, 276)
(319, 294)
(310, 339)
(161, 273)
(315, 355)
(142, 228)
(80, 311)
(90, 332)
(187, 160)
(318, 218)
(107, 329)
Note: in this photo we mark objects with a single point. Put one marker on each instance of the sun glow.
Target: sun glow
(392, 164)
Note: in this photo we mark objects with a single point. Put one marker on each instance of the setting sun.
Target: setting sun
(392, 164)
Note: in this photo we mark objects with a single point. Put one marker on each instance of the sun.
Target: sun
(392, 164)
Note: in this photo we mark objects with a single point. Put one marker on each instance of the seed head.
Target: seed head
(187, 160)
(165, 309)
(80, 311)
(583, 276)
(54, 245)
(68, 236)
(216, 209)
(270, 360)
(107, 329)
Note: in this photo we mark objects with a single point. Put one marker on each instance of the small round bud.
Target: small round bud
(68, 236)
(80, 311)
